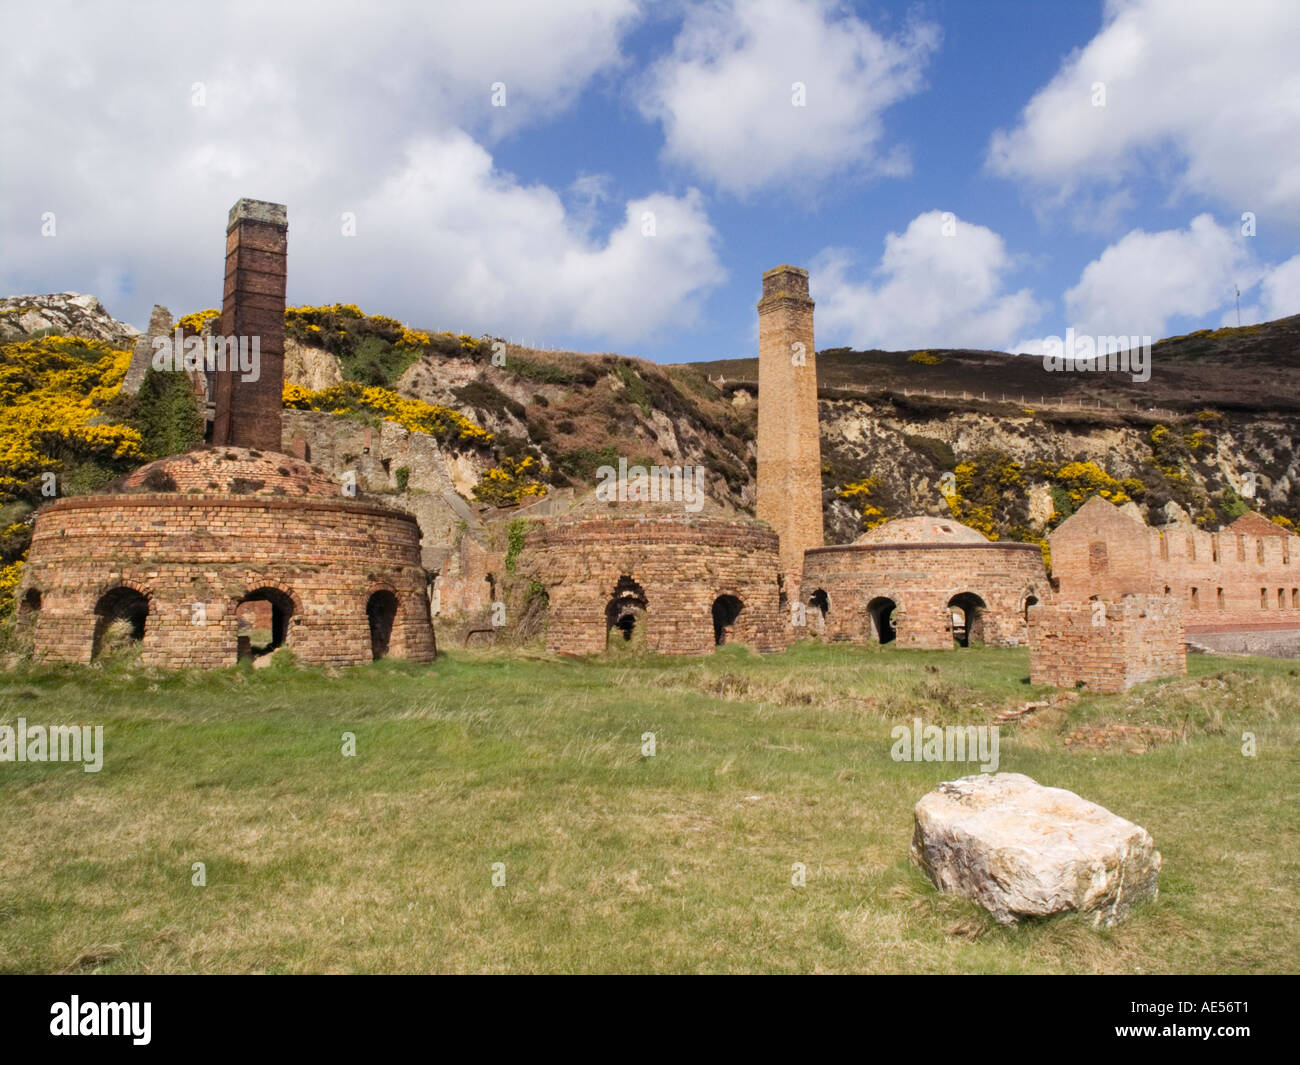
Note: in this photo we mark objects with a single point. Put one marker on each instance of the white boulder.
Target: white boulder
(1023, 850)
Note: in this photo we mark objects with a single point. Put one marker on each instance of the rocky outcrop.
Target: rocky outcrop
(1023, 850)
(66, 313)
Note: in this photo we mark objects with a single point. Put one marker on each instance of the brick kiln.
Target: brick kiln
(234, 549)
(652, 572)
(928, 583)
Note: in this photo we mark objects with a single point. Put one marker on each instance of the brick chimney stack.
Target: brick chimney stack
(247, 412)
(789, 444)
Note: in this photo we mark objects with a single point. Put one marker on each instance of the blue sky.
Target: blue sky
(951, 175)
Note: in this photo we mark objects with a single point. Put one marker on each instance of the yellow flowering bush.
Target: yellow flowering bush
(925, 358)
(52, 394)
(510, 484)
(193, 324)
(443, 423)
(860, 492)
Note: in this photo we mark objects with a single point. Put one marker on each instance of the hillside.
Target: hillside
(1023, 447)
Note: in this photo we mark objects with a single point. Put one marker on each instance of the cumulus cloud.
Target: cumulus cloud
(138, 134)
(726, 94)
(940, 283)
(1202, 95)
(1144, 279)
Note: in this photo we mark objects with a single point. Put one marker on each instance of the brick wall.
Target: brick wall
(683, 564)
(1227, 581)
(1108, 646)
(194, 557)
(921, 579)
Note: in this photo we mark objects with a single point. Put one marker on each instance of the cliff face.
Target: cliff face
(1214, 430)
(994, 439)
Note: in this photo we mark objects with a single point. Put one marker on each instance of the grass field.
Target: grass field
(614, 861)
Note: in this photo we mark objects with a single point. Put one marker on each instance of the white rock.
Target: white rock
(1022, 850)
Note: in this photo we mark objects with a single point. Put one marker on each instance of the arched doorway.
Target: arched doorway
(967, 610)
(880, 616)
(120, 617)
(626, 611)
(726, 612)
(381, 611)
(1030, 600)
(263, 617)
(819, 605)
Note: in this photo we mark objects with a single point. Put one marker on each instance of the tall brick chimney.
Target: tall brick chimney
(789, 444)
(247, 412)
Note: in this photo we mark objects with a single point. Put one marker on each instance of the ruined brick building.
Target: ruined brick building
(232, 549)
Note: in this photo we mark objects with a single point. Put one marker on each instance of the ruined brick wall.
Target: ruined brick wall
(248, 411)
(789, 446)
(1108, 646)
(1244, 577)
(921, 580)
(683, 564)
(194, 557)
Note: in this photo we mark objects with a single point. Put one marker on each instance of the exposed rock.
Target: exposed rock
(160, 325)
(1023, 850)
(309, 367)
(66, 313)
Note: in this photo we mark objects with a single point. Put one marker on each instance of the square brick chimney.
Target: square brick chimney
(789, 441)
(248, 411)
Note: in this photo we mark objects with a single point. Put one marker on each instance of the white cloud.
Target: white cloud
(725, 93)
(933, 290)
(1201, 95)
(1144, 279)
(1281, 290)
(499, 251)
(383, 112)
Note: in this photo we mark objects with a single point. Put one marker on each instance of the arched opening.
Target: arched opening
(819, 605)
(120, 617)
(967, 611)
(1030, 600)
(28, 607)
(262, 618)
(625, 613)
(381, 611)
(726, 612)
(880, 615)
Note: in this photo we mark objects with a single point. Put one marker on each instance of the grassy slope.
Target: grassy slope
(680, 862)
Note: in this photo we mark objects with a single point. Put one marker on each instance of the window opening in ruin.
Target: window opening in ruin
(1259, 550)
(1221, 601)
(1295, 598)
(1281, 598)
(381, 612)
(1164, 547)
(1097, 558)
(967, 611)
(262, 621)
(819, 604)
(881, 617)
(1263, 598)
(625, 613)
(1196, 600)
(120, 618)
(1030, 600)
(29, 607)
(726, 612)
(1214, 549)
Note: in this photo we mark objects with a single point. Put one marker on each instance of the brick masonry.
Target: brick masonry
(789, 445)
(248, 412)
(682, 564)
(1244, 577)
(194, 555)
(921, 580)
(1107, 646)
